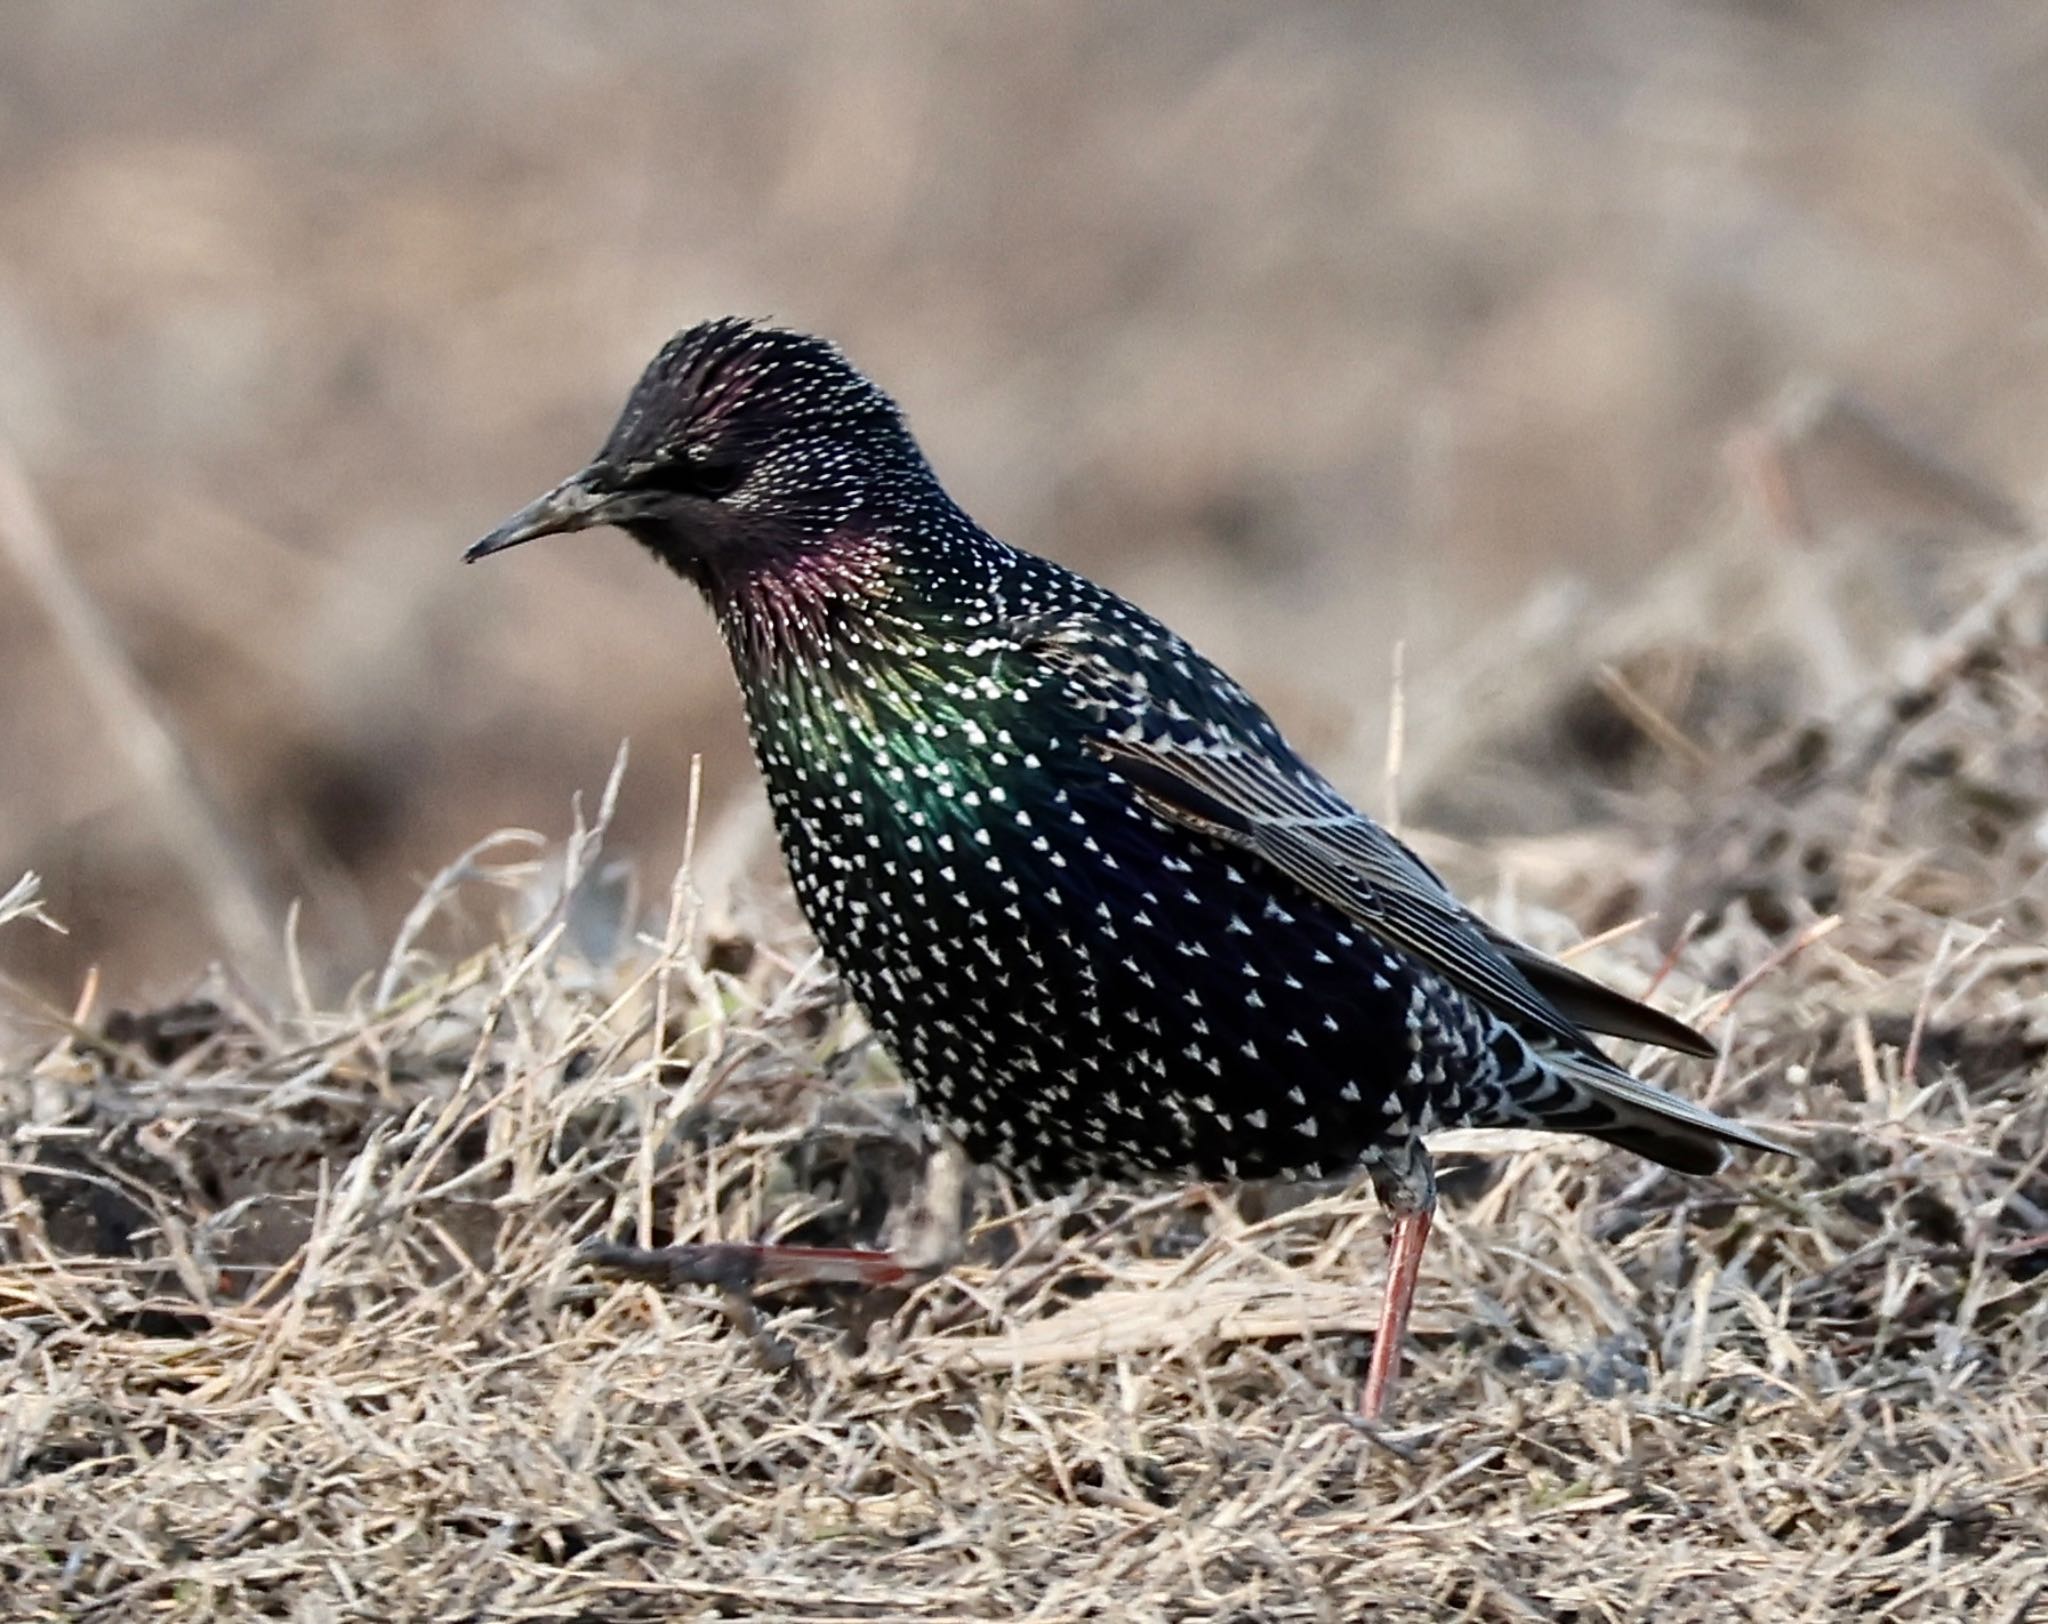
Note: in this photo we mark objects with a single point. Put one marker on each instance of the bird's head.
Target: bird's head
(741, 445)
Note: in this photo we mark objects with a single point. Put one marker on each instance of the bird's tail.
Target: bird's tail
(1655, 1124)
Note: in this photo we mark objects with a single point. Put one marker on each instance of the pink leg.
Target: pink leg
(1404, 1262)
(743, 1266)
(924, 1235)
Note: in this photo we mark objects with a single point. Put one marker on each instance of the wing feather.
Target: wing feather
(1305, 829)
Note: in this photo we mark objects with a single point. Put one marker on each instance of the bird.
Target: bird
(1105, 919)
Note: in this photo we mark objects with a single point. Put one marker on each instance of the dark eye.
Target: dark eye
(697, 473)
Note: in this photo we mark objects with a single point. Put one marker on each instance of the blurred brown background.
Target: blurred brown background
(1311, 326)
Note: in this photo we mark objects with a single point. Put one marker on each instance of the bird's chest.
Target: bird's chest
(1073, 986)
(941, 871)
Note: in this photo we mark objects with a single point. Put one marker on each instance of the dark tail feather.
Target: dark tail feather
(1688, 1150)
(1587, 1003)
(1655, 1124)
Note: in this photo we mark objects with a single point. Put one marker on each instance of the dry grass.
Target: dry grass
(295, 1331)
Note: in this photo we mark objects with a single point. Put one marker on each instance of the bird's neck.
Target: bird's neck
(877, 664)
(853, 606)
(786, 617)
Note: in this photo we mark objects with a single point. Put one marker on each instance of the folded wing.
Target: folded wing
(1308, 832)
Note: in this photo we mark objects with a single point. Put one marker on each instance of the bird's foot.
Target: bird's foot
(924, 1232)
(746, 1266)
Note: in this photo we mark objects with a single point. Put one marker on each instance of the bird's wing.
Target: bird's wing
(1301, 826)
(1594, 1007)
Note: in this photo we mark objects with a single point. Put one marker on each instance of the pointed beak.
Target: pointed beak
(575, 504)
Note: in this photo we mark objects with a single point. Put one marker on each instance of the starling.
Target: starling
(1104, 918)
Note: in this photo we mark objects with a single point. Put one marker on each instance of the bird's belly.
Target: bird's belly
(1168, 1010)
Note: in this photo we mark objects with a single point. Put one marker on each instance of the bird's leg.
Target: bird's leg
(925, 1234)
(1406, 1186)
